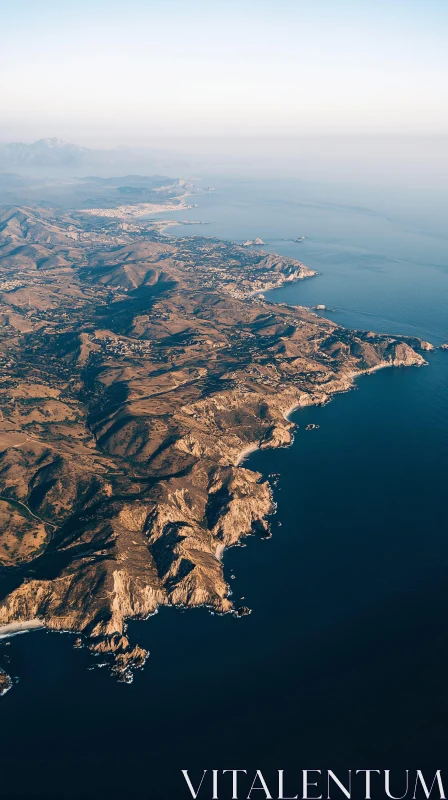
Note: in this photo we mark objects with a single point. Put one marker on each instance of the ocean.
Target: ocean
(343, 662)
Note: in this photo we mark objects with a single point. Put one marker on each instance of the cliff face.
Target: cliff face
(135, 373)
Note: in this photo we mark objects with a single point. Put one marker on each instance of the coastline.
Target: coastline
(15, 628)
(139, 209)
(245, 497)
(352, 376)
(245, 453)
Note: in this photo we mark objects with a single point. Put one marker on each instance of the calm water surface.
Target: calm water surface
(343, 662)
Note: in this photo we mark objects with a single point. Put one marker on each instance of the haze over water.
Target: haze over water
(342, 663)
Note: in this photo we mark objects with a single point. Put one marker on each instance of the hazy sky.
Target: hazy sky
(123, 72)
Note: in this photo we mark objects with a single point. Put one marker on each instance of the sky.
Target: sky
(116, 73)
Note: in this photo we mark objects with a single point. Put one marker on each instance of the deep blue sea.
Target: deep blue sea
(344, 661)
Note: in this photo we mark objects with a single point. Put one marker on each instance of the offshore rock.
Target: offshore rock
(5, 683)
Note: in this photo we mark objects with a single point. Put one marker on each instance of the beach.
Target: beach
(13, 628)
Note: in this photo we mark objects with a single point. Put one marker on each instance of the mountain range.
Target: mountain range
(43, 153)
(47, 156)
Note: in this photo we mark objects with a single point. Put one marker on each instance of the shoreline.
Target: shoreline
(249, 506)
(138, 210)
(246, 451)
(295, 406)
(15, 628)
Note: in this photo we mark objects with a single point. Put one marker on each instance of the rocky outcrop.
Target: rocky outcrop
(5, 683)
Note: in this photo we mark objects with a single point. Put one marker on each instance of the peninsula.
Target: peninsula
(136, 370)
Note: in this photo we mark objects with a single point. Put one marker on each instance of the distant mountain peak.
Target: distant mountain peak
(52, 141)
(50, 151)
